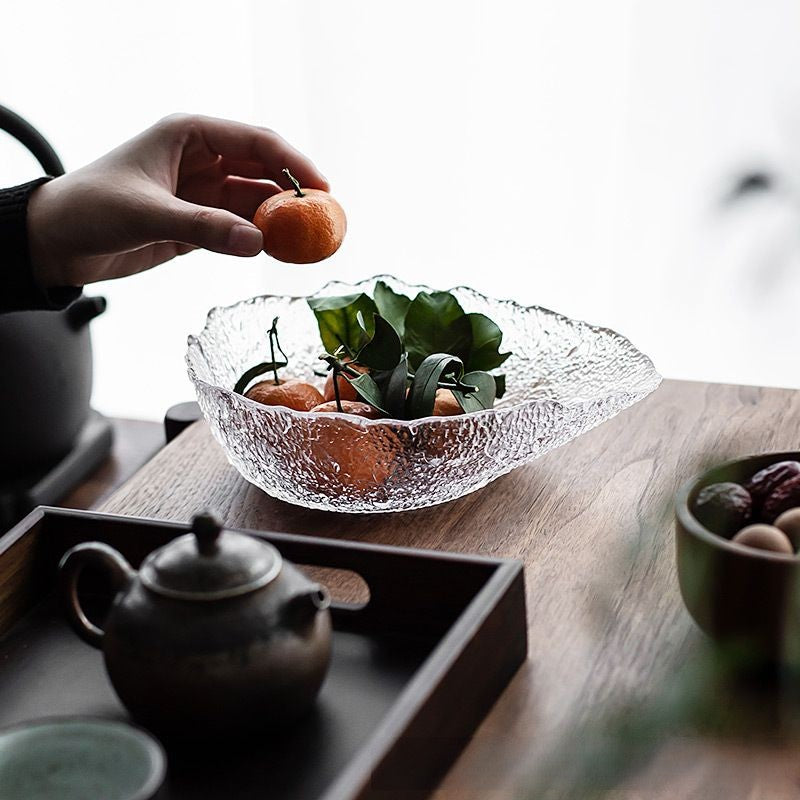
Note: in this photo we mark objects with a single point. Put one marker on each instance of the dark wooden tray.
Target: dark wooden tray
(414, 670)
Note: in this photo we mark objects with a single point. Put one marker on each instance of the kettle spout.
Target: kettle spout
(301, 609)
(84, 310)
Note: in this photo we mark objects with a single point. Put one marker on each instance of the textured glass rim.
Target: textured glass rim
(194, 341)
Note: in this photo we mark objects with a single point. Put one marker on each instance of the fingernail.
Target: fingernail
(245, 240)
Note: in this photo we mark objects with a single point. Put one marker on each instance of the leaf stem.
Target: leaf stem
(340, 366)
(273, 335)
(298, 192)
(336, 389)
(466, 388)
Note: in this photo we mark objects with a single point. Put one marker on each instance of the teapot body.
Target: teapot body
(207, 640)
(229, 666)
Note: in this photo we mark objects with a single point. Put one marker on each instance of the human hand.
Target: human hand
(187, 182)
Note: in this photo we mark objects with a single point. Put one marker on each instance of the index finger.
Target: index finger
(241, 142)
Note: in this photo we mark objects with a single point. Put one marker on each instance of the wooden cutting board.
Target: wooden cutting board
(593, 523)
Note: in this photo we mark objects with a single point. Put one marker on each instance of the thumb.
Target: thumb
(211, 228)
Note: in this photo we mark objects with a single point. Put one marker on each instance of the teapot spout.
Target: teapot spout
(301, 610)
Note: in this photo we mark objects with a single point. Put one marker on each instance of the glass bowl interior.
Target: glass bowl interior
(563, 378)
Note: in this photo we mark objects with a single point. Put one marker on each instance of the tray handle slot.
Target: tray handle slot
(412, 594)
(347, 589)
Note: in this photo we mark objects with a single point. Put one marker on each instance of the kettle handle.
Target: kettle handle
(14, 125)
(72, 564)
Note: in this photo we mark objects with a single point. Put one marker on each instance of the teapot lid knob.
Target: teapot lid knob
(210, 563)
(206, 527)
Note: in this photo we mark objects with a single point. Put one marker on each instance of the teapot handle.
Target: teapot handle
(72, 564)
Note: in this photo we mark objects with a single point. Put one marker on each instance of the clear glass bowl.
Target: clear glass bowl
(564, 378)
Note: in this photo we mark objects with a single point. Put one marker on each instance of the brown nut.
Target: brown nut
(785, 496)
(767, 480)
(764, 537)
(789, 523)
(723, 508)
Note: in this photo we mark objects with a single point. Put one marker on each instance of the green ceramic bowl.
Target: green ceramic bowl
(737, 595)
(76, 758)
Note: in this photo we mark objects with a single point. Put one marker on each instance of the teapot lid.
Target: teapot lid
(210, 563)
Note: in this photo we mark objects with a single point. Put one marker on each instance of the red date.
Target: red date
(784, 497)
(723, 508)
(767, 480)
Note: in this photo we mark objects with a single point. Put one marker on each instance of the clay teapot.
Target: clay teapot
(215, 634)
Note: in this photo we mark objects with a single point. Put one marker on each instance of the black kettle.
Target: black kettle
(46, 369)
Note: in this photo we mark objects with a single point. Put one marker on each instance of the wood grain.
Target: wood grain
(18, 586)
(593, 523)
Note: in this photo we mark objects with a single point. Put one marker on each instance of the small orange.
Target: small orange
(446, 404)
(346, 390)
(353, 407)
(292, 393)
(301, 226)
(352, 459)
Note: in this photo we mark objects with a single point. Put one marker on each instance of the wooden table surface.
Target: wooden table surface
(593, 523)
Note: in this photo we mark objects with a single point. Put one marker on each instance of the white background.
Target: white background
(569, 154)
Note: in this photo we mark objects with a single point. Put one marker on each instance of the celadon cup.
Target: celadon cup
(78, 758)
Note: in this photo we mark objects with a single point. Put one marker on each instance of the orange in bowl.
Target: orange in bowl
(354, 407)
(446, 404)
(348, 459)
(292, 393)
(346, 390)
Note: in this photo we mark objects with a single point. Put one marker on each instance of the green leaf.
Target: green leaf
(384, 349)
(422, 395)
(367, 390)
(484, 352)
(394, 395)
(254, 372)
(392, 306)
(500, 385)
(337, 318)
(436, 323)
(483, 398)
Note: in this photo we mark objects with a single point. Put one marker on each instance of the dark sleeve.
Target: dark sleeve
(18, 289)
